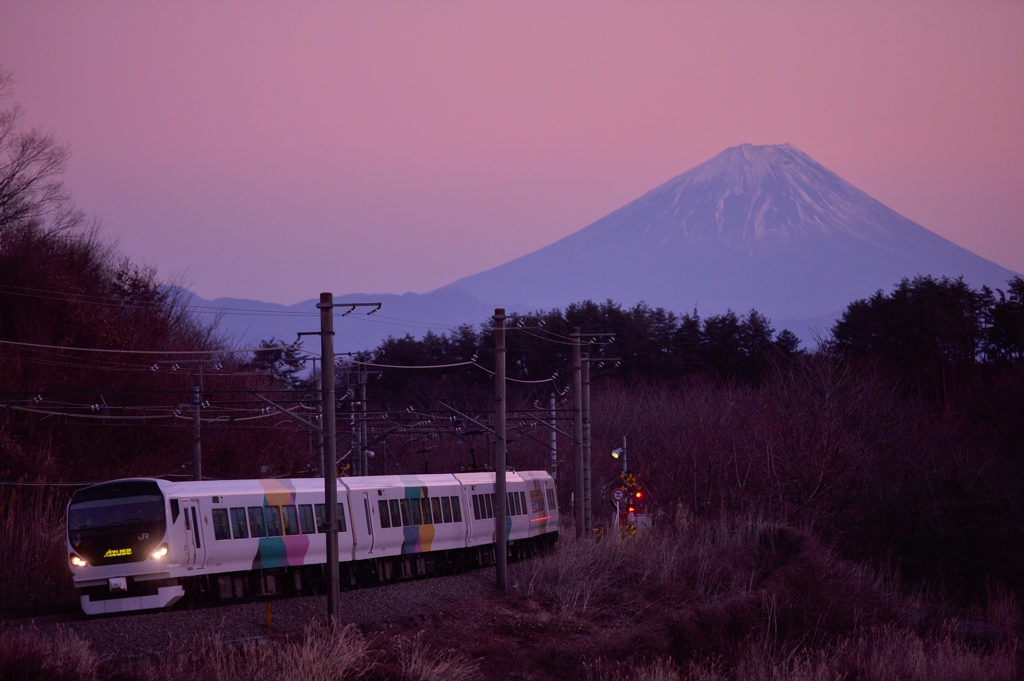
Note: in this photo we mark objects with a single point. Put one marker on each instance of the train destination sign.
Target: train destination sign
(117, 553)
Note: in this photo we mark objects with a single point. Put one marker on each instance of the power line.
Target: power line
(219, 351)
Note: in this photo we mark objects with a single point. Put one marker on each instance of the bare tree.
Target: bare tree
(31, 163)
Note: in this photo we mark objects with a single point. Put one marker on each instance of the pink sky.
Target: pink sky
(274, 150)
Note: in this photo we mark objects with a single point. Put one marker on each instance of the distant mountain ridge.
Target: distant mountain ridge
(756, 227)
(244, 323)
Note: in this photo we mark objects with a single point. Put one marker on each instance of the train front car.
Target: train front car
(118, 547)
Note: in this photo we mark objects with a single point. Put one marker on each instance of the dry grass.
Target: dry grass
(744, 598)
(324, 653)
(33, 557)
(879, 654)
(416, 661)
(27, 656)
(704, 565)
(729, 600)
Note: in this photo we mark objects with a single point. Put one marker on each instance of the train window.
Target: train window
(319, 508)
(489, 498)
(406, 517)
(341, 518)
(435, 504)
(552, 505)
(221, 524)
(427, 515)
(239, 528)
(476, 506)
(321, 520)
(522, 501)
(510, 508)
(291, 519)
(174, 511)
(385, 514)
(188, 524)
(414, 507)
(446, 508)
(306, 517)
(369, 522)
(396, 517)
(256, 522)
(456, 510)
(273, 514)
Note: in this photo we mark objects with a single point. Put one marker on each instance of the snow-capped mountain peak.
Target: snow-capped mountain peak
(761, 227)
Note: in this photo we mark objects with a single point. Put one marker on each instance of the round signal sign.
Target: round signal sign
(618, 495)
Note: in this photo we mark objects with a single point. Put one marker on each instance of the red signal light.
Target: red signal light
(632, 509)
(639, 494)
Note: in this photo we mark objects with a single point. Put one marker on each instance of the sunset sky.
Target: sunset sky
(274, 150)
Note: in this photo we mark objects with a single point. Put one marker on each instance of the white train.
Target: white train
(142, 543)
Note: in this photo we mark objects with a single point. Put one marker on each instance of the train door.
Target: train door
(470, 514)
(368, 511)
(195, 542)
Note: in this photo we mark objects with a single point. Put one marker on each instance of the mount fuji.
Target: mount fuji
(762, 227)
(756, 227)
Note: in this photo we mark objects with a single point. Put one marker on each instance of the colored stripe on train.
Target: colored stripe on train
(286, 550)
(416, 538)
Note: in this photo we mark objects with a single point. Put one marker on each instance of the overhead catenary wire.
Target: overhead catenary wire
(219, 351)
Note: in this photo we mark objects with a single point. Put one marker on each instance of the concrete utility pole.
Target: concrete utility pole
(588, 515)
(577, 409)
(500, 531)
(319, 420)
(353, 433)
(554, 441)
(364, 463)
(197, 449)
(326, 307)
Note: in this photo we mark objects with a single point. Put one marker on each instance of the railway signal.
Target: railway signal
(631, 499)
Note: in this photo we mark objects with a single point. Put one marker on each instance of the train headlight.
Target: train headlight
(160, 552)
(77, 561)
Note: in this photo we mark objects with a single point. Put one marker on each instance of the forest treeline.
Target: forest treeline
(935, 335)
(899, 438)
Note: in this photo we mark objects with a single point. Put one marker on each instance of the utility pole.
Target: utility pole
(554, 441)
(353, 433)
(581, 421)
(588, 515)
(197, 449)
(500, 533)
(330, 440)
(319, 418)
(196, 402)
(577, 409)
(364, 464)
(326, 307)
